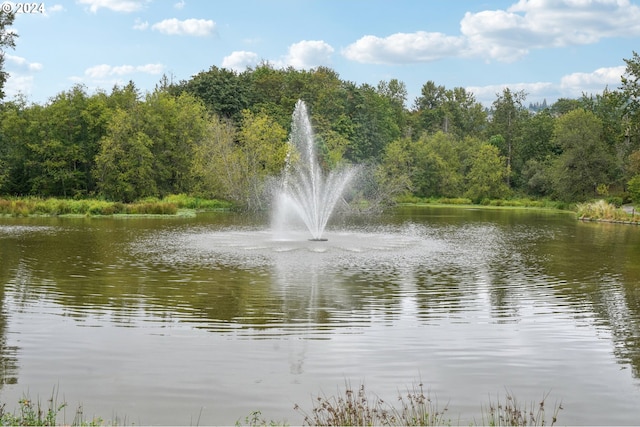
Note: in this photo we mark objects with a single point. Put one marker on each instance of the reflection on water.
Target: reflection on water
(166, 319)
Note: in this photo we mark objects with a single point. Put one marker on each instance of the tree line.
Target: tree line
(223, 134)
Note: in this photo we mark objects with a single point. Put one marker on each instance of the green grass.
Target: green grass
(601, 210)
(512, 203)
(170, 205)
(33, 413)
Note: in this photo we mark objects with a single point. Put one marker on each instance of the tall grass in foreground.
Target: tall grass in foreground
(356, 408)
(33, 413)
(414, 407)
(353, 407)
(511, 413)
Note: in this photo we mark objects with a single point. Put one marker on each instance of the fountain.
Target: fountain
(305, 193)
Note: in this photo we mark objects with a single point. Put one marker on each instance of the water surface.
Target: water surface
(204, 320)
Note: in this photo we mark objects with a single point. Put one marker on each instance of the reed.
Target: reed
(603, 211)
(510, 412)
(35, 206)
(358, 408)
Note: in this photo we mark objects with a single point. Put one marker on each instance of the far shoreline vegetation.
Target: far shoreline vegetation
(181, 205)
(220, 137)
(171, 205)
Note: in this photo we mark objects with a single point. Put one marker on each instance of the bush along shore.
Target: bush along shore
(350, 407)
(169, 205)
(603, 211)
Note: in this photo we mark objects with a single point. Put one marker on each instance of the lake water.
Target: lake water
(207, 319)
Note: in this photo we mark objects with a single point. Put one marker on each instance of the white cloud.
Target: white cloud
(506, 35)
(420, 46)
(103, 70)
(22, 64)
(536, 90)
(54, 9)
(240, 60)
(570, 86)
(179, 5)
(189, 27)
(577, 83)
(532, 24)
(21, 74)
(114, 5)
(18, 84)
(309, 54)
(140, 25)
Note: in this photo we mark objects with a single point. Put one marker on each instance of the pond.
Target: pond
(207, 319)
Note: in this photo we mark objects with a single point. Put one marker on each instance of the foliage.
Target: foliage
(486, 178)
(124, 166)
(34, 413)
(7, 40)
(506, 128)
(585, 161)
(630, 91)
(633, 187)
(221, 134)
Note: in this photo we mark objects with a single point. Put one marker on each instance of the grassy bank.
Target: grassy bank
(351, 407)
(601, 210)
(170, 205)
(512, 203)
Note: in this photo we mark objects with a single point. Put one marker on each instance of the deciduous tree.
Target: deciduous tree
(7, 40)
(585, 161)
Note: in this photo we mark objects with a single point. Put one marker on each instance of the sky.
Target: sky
(549, 49)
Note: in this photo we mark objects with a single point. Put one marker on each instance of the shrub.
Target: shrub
(615, 201)
(456, 201)
(601, 210)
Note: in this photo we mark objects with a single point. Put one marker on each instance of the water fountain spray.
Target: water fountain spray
(305, 191)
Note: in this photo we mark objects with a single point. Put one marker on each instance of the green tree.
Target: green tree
(449, 110)
(62, 145)
(564, 105)
(125, 164)
(262, 150)
(630, 121)
(224, 92)
(175, 125)
(631, 92)
(396, 92)
(373, 124)
(508, 115)
(585, 161)
(15, 132)
(394, 172)
(216, 165)
(633, 186)
(486, 178)
(439, 166)
(7, 40)
(537, 150)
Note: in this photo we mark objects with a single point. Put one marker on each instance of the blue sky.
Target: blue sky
(548, 48)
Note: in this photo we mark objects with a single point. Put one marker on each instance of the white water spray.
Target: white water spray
(305, 192)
